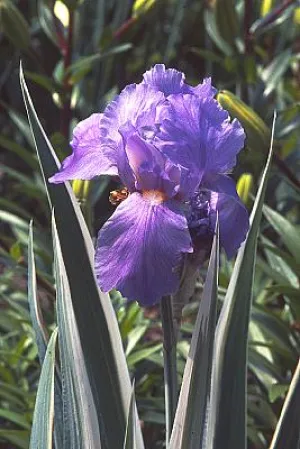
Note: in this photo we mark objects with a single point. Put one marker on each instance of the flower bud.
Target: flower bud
(244, 187)
(265, 7)
(81, 190)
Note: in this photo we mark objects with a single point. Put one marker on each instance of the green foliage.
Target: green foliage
(109, 378)
(230, 355)
(14, 25)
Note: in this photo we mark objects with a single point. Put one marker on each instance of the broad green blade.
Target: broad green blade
(96, 320)
(287, 433)
(227, 408)
(130, 437)
(189, 424)
(42, 427)
(80, 423)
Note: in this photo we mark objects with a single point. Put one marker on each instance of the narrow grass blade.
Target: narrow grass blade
(130, 438)
(288, 232)
(41, 433)
(287, 433)
(19, 438)
(170, 363)
(189, 425)
(96, 320)
(41, 336)
(227, 408)
(81, 428)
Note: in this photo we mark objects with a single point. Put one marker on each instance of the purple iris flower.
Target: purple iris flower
(172, 146)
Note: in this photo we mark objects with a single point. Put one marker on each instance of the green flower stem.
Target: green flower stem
(170, 363)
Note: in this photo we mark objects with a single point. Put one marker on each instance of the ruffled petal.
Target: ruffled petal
(136, 105)
(198, 132)
(168, 81)
(140, 248)
(233, 215)
(88, 158)
(182, 133)
(204, 89)
(171, 81)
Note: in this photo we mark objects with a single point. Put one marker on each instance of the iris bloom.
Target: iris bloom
(172, 146)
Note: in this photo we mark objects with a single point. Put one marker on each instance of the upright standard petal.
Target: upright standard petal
(136, 105)
(88, 158)
(135, 109)
(146, 162)
(204, 89)
(168, 81)
(154, 171)
(182, 134)
(233, 215)
(198, 132)
(171, 81)
(140, 248)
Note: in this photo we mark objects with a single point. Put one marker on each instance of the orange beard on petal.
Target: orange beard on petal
(154, 196)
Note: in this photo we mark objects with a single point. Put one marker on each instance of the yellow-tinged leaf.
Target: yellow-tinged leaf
(297, 16)
(16, 251)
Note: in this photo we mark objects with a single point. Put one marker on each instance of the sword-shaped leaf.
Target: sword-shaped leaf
(189, 425)
(41, 337)
(80, 424)
(287, 433)
(227, 408)
(95, 317)
(41, 433)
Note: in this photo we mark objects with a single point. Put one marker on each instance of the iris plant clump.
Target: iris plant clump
(172, 146)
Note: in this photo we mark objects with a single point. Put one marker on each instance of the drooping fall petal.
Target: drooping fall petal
(140, 248)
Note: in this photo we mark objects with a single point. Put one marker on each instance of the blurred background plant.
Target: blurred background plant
(76, 56)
